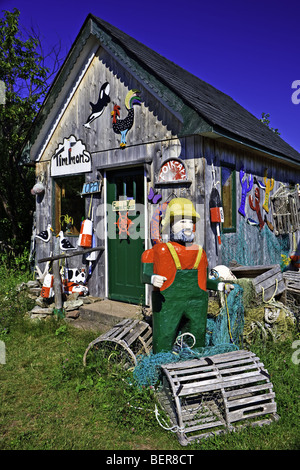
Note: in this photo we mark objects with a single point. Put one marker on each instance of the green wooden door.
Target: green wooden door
(125, 217)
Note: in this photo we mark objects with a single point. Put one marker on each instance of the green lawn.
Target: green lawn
(49, 400)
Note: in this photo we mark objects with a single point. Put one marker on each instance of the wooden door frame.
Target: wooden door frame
(146, 224)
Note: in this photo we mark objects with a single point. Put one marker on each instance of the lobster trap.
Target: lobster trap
(216, 394)
(123, 343)
(286, 210)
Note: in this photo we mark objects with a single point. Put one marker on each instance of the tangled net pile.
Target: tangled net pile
(223, 334)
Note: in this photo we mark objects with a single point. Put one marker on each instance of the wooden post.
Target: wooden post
(57, 287)
(57, 279)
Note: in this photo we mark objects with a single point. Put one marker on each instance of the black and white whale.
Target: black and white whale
(98, 108)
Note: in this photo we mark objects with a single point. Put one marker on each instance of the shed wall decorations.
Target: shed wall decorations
(70, 157)
(98, 108)
(125, 128)
(122, 126)
(172, 170)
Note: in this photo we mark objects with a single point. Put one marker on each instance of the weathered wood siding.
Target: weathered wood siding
(149, 139)
(152, 139)
(248, 245)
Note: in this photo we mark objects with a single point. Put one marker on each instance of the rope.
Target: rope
(174, 428)
(179, 340)
(263, 293)
(228, 317)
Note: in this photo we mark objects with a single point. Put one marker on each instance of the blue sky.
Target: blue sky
(247, 49)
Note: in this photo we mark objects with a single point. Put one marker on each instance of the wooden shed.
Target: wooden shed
(122, 131)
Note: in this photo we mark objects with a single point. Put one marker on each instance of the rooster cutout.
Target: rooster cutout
(98, 108)
(122, 126)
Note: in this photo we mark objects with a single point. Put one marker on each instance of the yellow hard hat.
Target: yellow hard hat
(179, 207)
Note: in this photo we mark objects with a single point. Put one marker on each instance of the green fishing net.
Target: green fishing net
(267, 247)
(224, 333)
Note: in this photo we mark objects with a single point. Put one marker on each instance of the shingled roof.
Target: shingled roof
(225, 116)
(217, 108)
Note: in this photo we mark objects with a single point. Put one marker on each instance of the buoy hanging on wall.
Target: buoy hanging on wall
(86, 234)
(86, 231)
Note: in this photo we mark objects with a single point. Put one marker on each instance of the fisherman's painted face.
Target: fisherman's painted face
(182, 230)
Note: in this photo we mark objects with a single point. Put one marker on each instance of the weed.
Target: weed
(61, 330)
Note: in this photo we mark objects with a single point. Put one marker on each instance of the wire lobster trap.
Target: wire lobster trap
(286, 210)
(216, 394)
(123, 343)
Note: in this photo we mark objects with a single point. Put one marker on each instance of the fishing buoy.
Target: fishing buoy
(216, 211)
(295, 260)
(295, 254)
(74, 288)
(86, 234)
(47, 290)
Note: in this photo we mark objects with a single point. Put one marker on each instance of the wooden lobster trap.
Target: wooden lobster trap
(216, 394)
(286, 210)
(123, 343)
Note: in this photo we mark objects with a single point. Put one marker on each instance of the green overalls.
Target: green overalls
(181, 307)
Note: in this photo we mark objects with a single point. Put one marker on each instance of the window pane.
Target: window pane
(228, 197)
(69, 205)
(139, 191)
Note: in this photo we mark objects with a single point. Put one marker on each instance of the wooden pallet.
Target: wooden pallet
(217, 394)
(129, 338)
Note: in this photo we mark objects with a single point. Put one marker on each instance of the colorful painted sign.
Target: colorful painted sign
(70, 157)
(91, 187)
(123, 223)
(269, 184)
(247, 185)
(158, 215)
(98, 108)
(153, 197)
(172, 170)
(256, 207)
(123, 205)
(122, 126)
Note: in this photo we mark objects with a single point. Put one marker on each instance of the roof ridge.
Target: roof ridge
(210, 102)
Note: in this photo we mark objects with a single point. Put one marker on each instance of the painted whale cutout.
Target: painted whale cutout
(98, 108)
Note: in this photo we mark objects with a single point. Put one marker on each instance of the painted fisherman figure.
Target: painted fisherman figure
(178, 271)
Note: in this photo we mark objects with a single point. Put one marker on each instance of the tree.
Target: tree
(265, 120)
(26, 79)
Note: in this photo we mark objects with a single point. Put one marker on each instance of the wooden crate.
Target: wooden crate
(292, 281)
(250, 272)
(127, 340)
(217, 394)
(285, 205)
(269, 283)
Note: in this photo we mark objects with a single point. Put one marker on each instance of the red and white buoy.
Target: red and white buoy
(86, 234)
(47, 290)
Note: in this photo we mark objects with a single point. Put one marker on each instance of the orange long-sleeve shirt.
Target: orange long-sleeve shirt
(158, 260)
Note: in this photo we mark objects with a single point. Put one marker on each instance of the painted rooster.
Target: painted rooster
(122, 126)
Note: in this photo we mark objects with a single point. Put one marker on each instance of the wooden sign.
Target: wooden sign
(172, 170)
(91, 187)
(123, 205)
(70, 157)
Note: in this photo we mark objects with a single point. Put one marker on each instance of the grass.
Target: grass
(49, 400)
